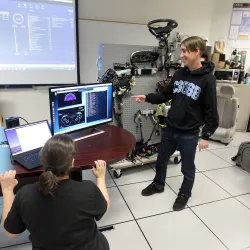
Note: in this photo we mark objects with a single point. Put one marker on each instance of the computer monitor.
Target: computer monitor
(80, 107)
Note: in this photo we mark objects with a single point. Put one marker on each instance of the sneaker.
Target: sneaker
(151, 189)
(180, 202)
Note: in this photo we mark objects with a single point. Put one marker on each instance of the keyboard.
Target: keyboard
(31, 157)
(29, 161)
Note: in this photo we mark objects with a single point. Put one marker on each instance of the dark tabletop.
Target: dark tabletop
(111, 146)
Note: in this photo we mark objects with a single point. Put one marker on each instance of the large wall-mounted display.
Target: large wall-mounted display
(38, 42)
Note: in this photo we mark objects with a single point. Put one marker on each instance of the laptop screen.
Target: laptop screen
(27, 137)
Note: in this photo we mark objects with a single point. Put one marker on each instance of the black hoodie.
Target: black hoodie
(194, 101)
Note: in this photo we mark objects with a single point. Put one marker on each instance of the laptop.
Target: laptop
(26, 141)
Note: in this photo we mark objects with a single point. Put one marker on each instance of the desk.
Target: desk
(111, 146)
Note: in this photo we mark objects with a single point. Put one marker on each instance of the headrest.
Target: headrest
(227, 90)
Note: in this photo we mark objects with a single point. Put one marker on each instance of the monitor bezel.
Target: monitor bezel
(78, 86)
(26, 125)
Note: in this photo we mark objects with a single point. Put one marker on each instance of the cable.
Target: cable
(118, 114)
(150, 137)
(11, 159)
(23, 119)
(4, 143)
(140, 126)
(136, 114)
(142, 149)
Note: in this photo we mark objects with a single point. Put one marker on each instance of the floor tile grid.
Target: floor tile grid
(166, 182)
(121, 185)
(155, 214)
(200, 171)
(132, 183)
(211, 170)
(211, 151)
(241, 201)
(115, 186)
(188, 206)
(130, 210)
(248, 248)
(220, 147)
(208, 227)
(213, 182)
(18, 245)
(232, 197)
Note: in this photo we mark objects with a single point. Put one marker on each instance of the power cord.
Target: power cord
(11, 159)
(4, 143)
(142, 149)
(23, 119)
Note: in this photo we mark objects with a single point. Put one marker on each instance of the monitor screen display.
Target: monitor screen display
(38, 42)
(27, 137)
(80, 107)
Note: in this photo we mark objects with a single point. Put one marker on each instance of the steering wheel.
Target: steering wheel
(160, 32)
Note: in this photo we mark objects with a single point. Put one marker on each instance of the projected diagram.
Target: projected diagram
(69, 99)
(71, 116)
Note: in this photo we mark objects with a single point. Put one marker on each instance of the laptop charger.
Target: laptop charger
(12, 122)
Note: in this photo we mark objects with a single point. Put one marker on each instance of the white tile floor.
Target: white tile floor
(217, 216)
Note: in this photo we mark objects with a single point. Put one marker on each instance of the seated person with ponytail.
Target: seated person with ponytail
(58, 212)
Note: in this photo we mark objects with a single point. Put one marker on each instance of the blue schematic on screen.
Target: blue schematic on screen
(37, 35)
(80, 107)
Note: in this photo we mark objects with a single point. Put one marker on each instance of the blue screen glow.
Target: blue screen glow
(80, 107)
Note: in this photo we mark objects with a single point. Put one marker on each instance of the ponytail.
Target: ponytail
(57, 157)
(48, 183)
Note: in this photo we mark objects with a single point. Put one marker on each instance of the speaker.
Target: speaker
(12, 122)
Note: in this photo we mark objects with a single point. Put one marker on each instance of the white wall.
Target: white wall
(31, 104)
(220, 25)
(192, 18)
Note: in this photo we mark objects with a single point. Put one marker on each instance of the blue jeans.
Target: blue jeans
(187, 144)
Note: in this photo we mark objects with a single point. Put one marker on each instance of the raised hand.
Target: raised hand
(8, 181)
(100, 169)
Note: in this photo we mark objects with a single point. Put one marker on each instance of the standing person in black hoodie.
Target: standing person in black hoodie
(194, 104)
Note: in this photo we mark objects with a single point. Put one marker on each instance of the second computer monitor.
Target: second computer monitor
(80, 107)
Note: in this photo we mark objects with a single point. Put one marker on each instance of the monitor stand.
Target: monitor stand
(86, 133)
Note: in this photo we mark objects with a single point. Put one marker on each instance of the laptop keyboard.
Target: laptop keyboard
(31, 157)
